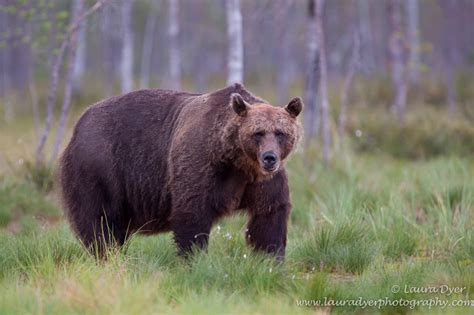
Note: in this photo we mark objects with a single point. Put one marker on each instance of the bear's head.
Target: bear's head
(265, 134)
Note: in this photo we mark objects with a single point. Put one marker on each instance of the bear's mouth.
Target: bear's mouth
(269, 169)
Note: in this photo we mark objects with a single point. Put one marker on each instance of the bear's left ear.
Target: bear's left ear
(294, 107)
(239, 105)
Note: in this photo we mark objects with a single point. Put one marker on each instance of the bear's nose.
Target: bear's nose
(269, 159)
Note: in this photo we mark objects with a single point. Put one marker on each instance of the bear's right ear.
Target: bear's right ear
(238, 104)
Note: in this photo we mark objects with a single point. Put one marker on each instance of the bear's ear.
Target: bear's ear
(294, 107)
(238, 104)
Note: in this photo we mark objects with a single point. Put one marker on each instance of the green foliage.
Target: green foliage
(424, 135)
(42, 177)
(19, 198)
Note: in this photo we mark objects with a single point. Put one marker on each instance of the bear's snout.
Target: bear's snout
(270, 161)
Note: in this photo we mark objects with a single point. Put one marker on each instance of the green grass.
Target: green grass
(359, 227)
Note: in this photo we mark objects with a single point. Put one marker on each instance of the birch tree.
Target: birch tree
(126, 63)
(54, 80)
(323, 81)
(109, 26)
(5, 54)
(282, 15)
(452, 53)
(311, 117)
(78, 7)
(80, 59)
(397, 60)
(173, 36)
(148, 43)
(351, 70)
(413, 39)
(235, 63)
(365, 31)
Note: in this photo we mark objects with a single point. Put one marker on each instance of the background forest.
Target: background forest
(382, 183)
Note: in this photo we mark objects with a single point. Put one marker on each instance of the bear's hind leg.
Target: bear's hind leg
(101, 236)
(98, 219)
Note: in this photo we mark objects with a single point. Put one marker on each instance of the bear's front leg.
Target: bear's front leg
(191, 230)
(267, 232)
(269, 206)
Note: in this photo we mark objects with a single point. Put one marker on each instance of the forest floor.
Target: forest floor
(370, 229)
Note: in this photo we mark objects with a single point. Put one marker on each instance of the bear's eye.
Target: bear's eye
(258, 134)
(279, 134)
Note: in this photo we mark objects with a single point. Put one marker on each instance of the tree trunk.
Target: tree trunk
(54, 79)
(452, 45)
(235, 43)
(80, 62)
(283, 49)
(396, 53)
(414, 39)
(126, 64)
(34, 107)
(108, 53)
(311, 115)
(348, 83)
(366, 36)
(6, 82)
(50, 102)
(78, 7)
(148, 43)
(323, 82)
(173, 36)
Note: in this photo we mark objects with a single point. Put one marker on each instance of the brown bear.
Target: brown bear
(155, 160)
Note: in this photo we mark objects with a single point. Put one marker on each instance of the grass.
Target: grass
(365, 224)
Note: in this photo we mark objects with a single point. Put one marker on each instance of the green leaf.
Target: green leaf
(62, 15)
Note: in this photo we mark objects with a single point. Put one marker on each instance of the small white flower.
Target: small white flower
(270, 270)
(358, 133)
(245, 255)
(228, 236)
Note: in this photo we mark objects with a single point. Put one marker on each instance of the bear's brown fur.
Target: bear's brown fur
(152, 161)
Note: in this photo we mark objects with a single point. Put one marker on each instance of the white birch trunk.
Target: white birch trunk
(311, 113)
(35, 107)
(398, 65)
(414, 39)
(126, 64)
(148, 43)
(6, 83)
(366, 36)
(54, 80)
(69, 79)
(284, 57)
(348, 83)
(173, 37)
(235, 63)
(323, 82)
(80, 62)
(451, 15)
(107, 38)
